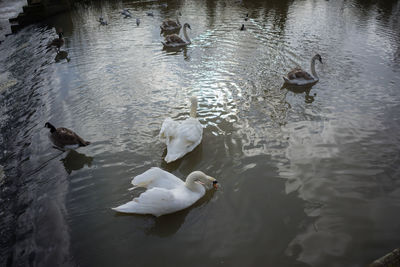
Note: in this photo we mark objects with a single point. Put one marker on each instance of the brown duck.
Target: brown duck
(57, 42)
(65, 138)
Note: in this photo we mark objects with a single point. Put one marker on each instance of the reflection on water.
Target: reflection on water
(165, 226)
(61, 55)
(301, 90)
(75, 161)
(308, 178)
(168, 225)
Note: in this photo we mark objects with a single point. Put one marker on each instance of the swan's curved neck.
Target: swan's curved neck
(191, 182)
(313, 68)
(186, 35)
(193, 108)
(177, 19)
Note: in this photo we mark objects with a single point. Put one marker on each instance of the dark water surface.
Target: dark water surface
(307, 178)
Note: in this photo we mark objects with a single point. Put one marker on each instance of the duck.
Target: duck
(171, 25)
(247, 17)
(181, 137)
(165, 192)
(150, 13)
(137, 21)
(299, 77)
(242, 28)
(102, 21)
(126, 13)
(57, 42)
(65, 138)
(173, 40)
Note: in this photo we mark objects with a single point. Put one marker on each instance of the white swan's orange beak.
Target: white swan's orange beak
(215, 184)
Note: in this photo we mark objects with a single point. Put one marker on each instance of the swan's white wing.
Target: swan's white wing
(156, 201)
(191, 130)
(155, 177)
(168, 129)
(186, 137)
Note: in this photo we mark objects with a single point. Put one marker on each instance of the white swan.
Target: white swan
(181, 137)
(165, 192)
(171, 25)
(300, 77)
(173, 40)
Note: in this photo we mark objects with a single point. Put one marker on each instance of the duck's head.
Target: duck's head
(318, 56)
(203, 179)
(50, 126)
(187, 25)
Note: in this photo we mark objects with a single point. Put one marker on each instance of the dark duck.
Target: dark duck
(65, 138)
(57, 42)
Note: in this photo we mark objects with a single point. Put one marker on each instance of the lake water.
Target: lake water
(307, 178)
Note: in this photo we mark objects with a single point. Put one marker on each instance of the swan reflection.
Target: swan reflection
(168, 225)
(300, 90)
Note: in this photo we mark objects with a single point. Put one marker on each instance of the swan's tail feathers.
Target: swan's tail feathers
(129, 207)
(193, 107)
(172, 157)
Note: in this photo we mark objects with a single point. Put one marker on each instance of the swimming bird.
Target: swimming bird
(300, 77)
(171, 25)
(137, 21)
(102, 21)
(247, 17)
(242, 28)
(166, 193)
(181, 137)
(57, 42)
(164, 5)
(173, 40)
(126, 13)
(150, 13)
(65, 138)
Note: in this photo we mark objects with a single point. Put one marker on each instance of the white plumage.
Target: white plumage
(165, 192)
(181, 137)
